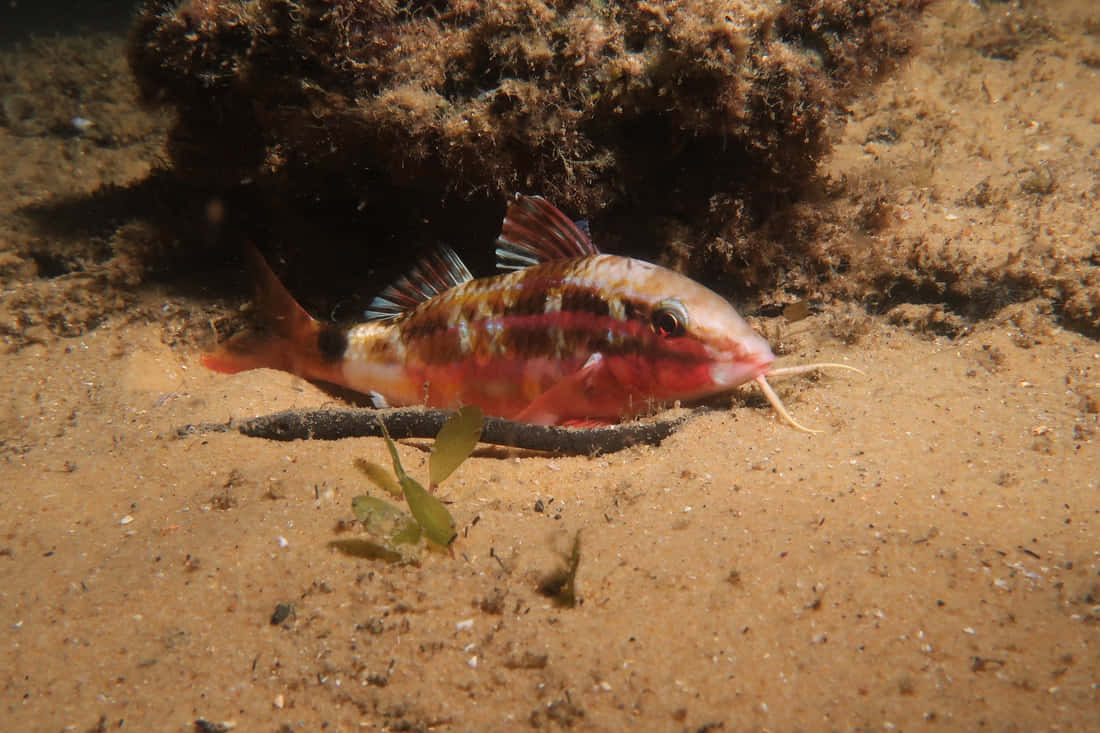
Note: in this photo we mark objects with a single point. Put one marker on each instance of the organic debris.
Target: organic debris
(561, 584)
(337, 424)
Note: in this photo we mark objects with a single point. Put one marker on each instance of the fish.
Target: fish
(564, 335)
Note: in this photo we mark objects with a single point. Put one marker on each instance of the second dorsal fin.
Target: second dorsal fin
(535, 231)
(436, 273)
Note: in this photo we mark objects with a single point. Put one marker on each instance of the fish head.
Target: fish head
(694, 327)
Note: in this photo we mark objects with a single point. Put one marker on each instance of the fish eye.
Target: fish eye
(670, 319)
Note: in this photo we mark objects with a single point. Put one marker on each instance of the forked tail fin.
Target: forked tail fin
(292, 342)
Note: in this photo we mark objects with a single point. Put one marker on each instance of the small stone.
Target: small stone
(281, 613)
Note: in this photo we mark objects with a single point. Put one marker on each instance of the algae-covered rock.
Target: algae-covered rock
(705, 113)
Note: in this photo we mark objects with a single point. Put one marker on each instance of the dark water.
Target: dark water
(20, 19)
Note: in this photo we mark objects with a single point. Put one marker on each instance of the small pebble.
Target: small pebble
(281, 613)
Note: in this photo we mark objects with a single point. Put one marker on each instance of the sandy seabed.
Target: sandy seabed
(931, 561)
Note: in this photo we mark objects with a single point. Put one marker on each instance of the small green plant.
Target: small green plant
(395, 535)
(561, 584)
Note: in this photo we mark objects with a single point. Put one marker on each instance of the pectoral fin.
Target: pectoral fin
(575, 399)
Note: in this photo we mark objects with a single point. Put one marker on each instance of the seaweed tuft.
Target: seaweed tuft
(648, 118)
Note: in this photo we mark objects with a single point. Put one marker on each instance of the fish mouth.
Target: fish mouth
(737, 369)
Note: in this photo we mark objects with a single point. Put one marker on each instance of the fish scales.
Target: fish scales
(560, 310)
(501, 341)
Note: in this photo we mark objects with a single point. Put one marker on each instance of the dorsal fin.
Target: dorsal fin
(436, 273)
(534, 231)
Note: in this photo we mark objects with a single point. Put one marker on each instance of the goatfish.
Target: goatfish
(565, 336)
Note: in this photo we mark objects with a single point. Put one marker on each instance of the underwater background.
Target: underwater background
(925, 210)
